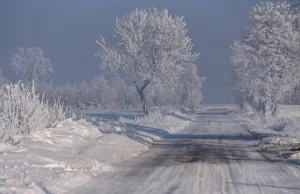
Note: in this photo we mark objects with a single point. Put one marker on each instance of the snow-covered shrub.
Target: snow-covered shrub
(258, 118)
(278, 124)
(74, 114)
(100, 93)
(293, 128)
(22, 111)
(57, 112)
(273, 123)
(246, 108)
(155, 116)
(113, 93)
(165, 109)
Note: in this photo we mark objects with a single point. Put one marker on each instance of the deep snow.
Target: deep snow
(214, 154)
(76, 154)
(61, 158)
(281, 136)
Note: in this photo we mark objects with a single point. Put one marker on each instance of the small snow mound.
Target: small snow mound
(34, 189)
(295, 156)
(55, 165)
(4, 146)
(90, 166)
(82, 165)
(20, 186)
(283, 141)
(67, 182)
(67, 133)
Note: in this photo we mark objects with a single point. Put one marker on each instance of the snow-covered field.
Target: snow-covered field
(280, 136)
(68, 155)
(75, 153)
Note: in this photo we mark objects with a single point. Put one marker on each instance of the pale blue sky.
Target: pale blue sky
(67, 30)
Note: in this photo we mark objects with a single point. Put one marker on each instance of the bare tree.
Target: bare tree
(151, 47)
(31, 65)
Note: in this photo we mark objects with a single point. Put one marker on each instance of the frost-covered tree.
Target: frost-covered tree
(100, 93)
(152, 47)
(99, 86)
(31, 65)
(190, 89)
(265, 64)
(186, 93)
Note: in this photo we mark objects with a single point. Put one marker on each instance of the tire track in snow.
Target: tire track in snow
(216, 155)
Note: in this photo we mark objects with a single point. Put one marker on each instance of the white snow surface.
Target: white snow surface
(59, 159)
(280, 135)
(214, 154)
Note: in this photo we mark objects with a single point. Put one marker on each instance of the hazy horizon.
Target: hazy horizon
(67, 31)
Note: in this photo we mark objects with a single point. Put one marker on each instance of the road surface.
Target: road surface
(215, 154)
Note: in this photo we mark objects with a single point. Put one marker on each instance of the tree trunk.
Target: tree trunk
(140, 90)
(273, 108)
(262, 107)
(143, 101)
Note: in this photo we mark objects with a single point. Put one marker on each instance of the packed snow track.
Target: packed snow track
(215, 154)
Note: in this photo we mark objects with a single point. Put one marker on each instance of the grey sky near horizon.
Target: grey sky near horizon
(67, 31)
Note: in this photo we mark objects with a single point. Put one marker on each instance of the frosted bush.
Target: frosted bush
(23, 111)
(74, 114)
(155, 116)
(164, 109)
(248, 109)
(293, 129)
(279, 124)
(273, 123)
(57, 112)
(258, 118)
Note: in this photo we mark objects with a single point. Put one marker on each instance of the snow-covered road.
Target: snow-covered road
(214, 154)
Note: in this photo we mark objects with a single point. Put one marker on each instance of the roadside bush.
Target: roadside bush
(155, 116)
(247, 109)
(279, 124)
(23, 111)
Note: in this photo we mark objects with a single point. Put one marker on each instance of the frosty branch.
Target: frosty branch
(152, 47)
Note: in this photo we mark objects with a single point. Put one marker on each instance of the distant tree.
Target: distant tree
(99, 88)
(31, 65)
(190, 89)
(99, 93)
(265, 64)
(152, 48)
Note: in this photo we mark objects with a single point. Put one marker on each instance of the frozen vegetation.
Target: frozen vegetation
(265, 75)
(55, 139)
(23, 111)
(63, 157)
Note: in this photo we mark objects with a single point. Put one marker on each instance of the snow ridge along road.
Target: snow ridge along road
(214, 154)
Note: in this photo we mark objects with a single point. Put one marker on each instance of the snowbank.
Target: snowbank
(68, 133)
(61, 158)
(280, 136)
